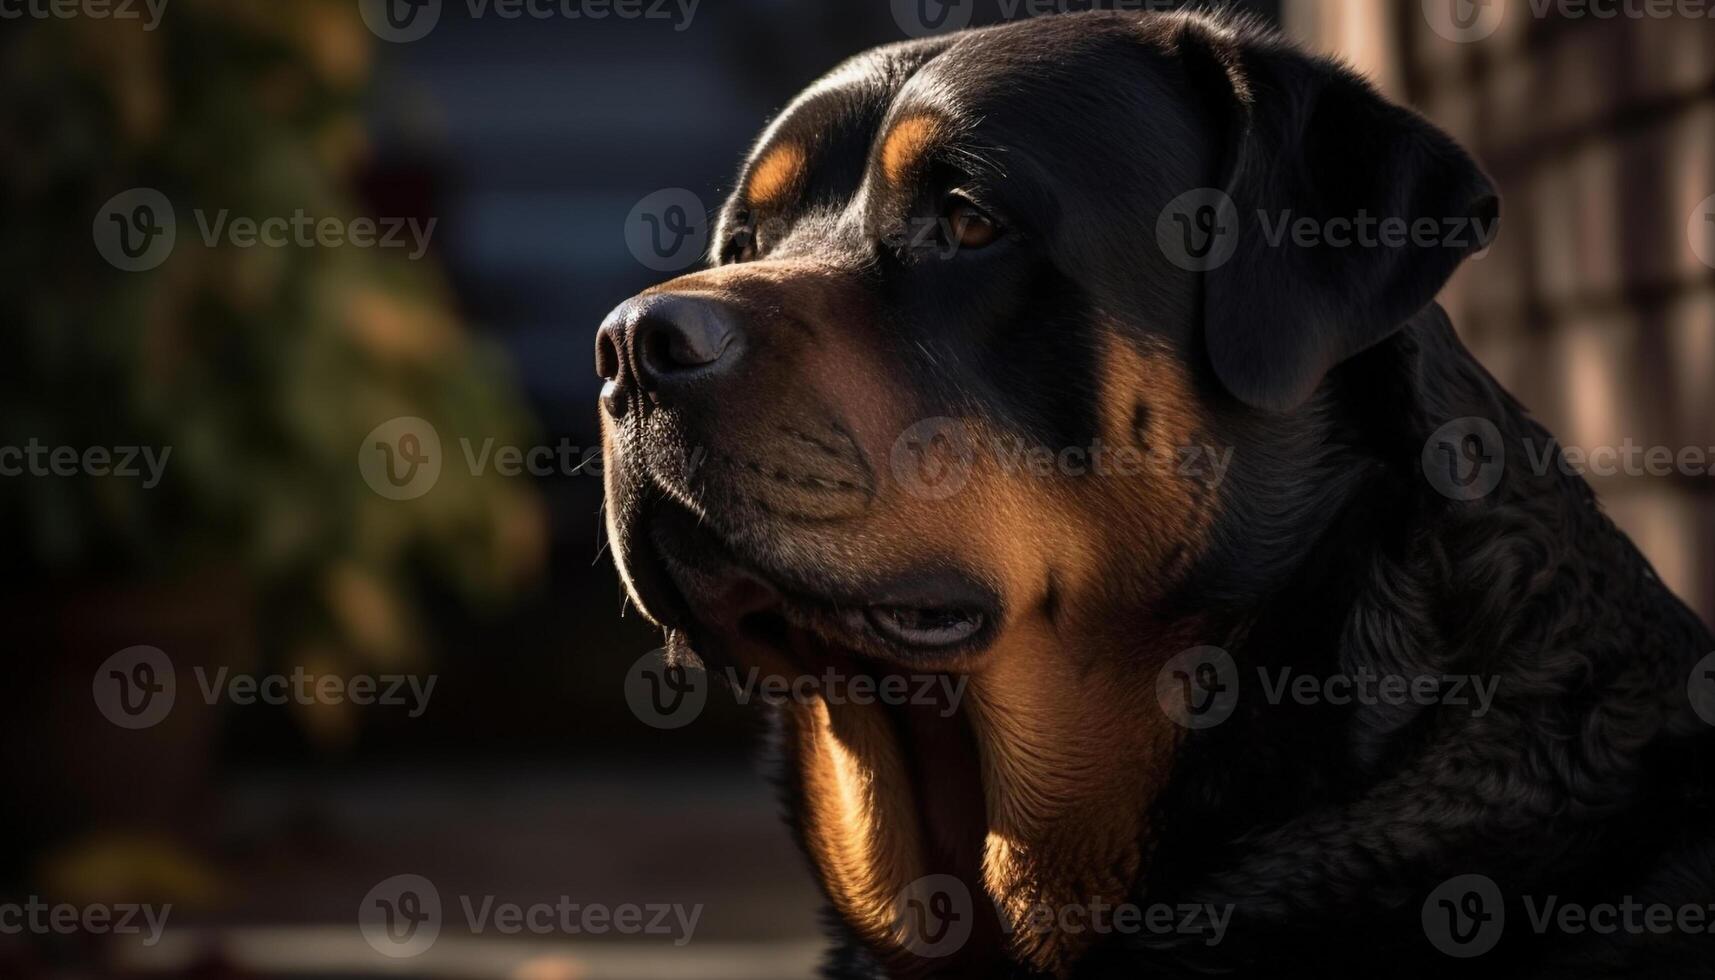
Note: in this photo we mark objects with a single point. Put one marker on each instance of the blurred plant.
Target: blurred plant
(261, 368)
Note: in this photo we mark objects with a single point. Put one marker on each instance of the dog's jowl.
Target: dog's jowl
(999, 393)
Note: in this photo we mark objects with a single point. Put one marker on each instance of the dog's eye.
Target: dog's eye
(926, 628)
(743, 244)
(741, 247)
(969, 226)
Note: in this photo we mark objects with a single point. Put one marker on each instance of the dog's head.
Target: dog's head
(994, 322)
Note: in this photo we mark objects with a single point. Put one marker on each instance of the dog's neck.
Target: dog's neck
(1062, 772)
(1284, 808)
(1335, 808)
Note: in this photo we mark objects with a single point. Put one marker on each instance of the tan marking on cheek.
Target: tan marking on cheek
(959, 500)
(1074, 749)
(776, 175)
(1165, 479)
(859, 821)
(906, 146)
(1073, 746)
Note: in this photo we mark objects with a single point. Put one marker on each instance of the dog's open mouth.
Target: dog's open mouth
(928, 619)
(883, 671)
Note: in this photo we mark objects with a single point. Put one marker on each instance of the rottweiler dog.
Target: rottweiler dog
(1089, 367)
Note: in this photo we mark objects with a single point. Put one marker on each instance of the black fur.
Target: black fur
(1328, 371)
(1590, 779)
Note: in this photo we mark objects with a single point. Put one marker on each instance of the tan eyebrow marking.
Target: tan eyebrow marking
(776, 174)
(906, 145)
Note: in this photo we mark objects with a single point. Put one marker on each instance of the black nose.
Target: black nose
(657, 344)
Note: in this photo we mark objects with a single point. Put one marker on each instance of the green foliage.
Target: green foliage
(262, 368)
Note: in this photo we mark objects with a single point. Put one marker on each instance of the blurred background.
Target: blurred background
(312, 439)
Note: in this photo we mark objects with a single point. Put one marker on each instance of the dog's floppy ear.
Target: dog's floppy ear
(1314, 158)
